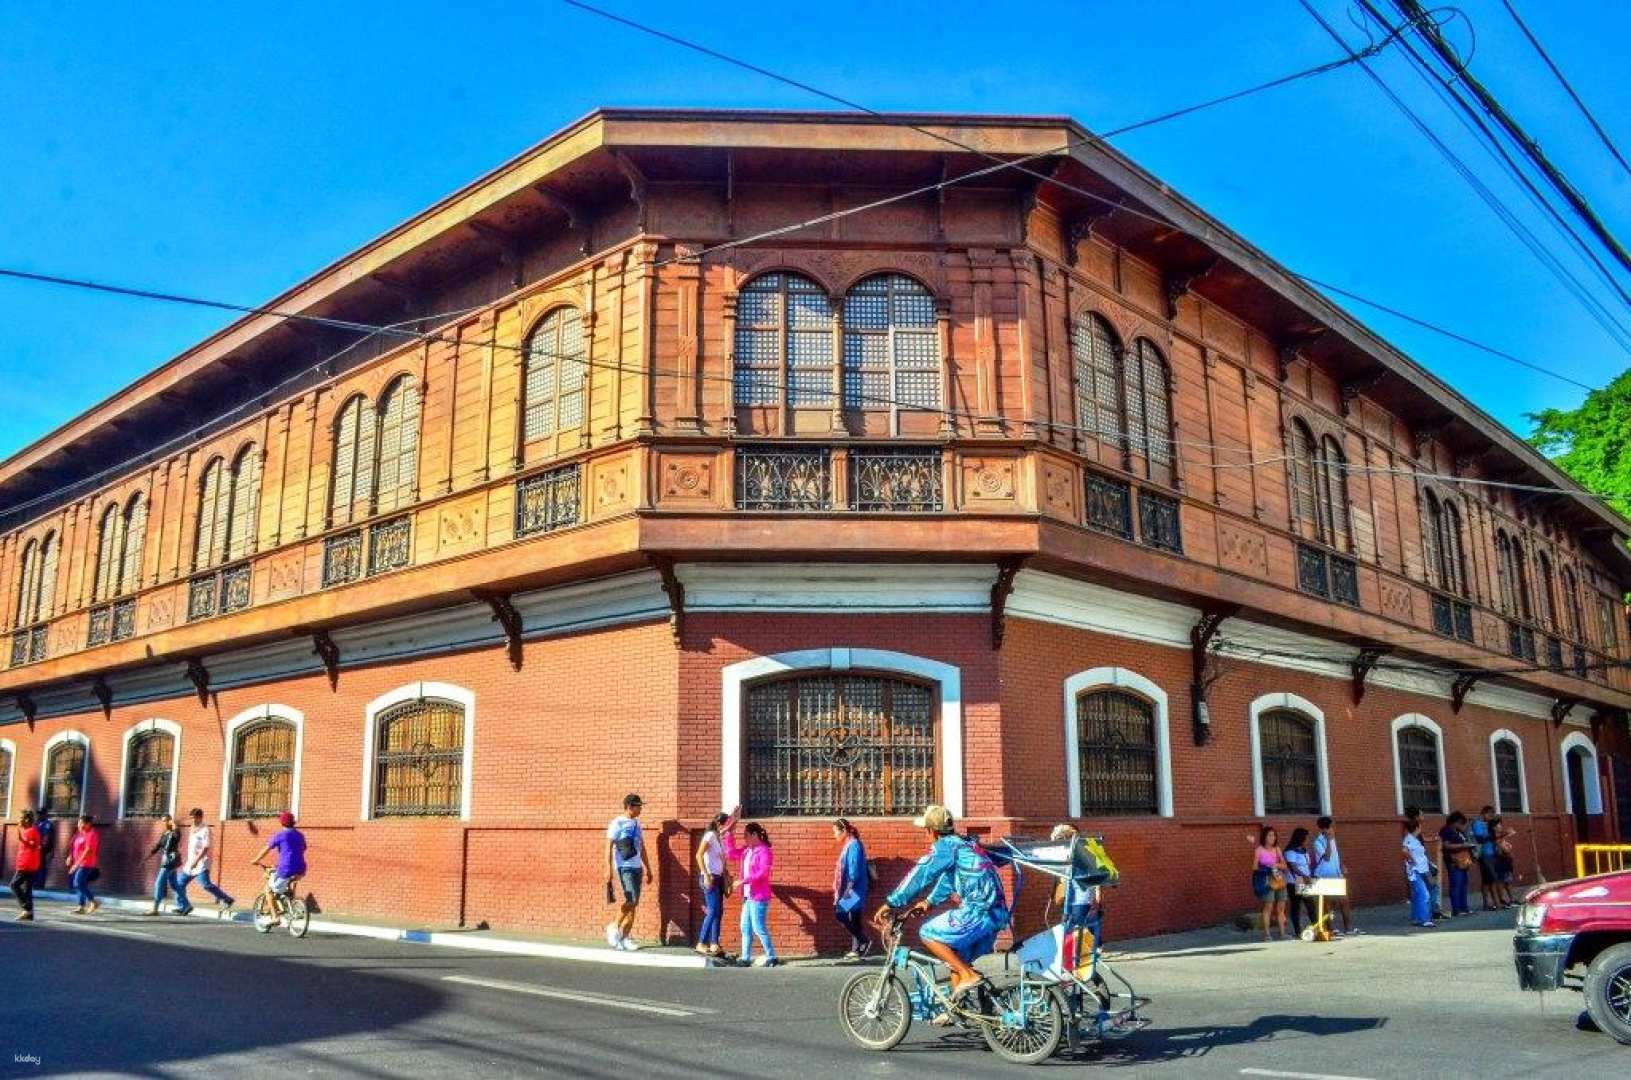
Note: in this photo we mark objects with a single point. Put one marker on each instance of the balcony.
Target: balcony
(548, 501)
(1158, 525)
(896, 481)
(1520, 641)
(220, 592)
(111, 622)
(1452, 618)
(1110, 506)
(28, 645)
(389, 546)
(1327, 575)
(775, 479)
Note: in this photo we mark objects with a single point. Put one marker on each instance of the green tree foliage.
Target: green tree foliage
(1592, 443)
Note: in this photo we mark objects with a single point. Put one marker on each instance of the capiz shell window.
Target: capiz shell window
(891, 345)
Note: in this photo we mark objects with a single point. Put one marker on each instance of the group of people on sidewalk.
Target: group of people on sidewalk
(1485, 843)
(178, 866)
(1283, 877)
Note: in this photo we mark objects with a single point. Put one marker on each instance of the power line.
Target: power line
(1575, 97)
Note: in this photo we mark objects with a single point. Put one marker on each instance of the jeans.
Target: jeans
(163, 882)
(1435, 896)
(753, 920)
(1300, 906)
(80, 881)
(183, 880)
(851, 921)
(22, 887)
(1420, 911)
(1458, 891)
(713, 909)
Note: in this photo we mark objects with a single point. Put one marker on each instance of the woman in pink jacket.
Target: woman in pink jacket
(83, 855)
(757, 859)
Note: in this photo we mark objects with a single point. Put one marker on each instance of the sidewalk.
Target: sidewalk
(453, 938)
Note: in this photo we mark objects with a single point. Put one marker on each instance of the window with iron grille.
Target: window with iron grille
(555, 369)
(65, 780)
(775, 479)
(1158, 525)
(830, 744)
(147, 774)
(1149, 411)
(37, 584)
(1289, 762)
(891, 345)
(1099, 398)
(342, 558)
(263, 768)
(1116, 753)
(419, 759)
(1418, 769)
(895, 480)
(784, 337)
(1110, 506)
(547, 501)
(1508, 778)
(5, 784)
(388, 544)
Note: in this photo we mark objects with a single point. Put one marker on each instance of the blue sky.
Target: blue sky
(229, 150)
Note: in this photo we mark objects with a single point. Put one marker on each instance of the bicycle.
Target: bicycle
(273, 907)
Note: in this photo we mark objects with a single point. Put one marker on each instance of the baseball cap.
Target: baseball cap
(937, 818)
(285, 819)
(631, 799)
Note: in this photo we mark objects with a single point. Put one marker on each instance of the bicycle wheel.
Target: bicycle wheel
(874, 1010)
(265, 919)
(1034, 1026)
(295, 916)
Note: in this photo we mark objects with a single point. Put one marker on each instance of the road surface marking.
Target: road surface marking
(637, 1005)
(1298, 1075)
(95, 929)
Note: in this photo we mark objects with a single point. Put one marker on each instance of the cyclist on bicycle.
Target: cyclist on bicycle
(954, 865)
(290, 845)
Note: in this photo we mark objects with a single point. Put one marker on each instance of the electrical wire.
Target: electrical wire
(1564, 82)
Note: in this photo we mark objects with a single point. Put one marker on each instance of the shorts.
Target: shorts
(970, 934)
(280, 884)
(632, 878)
(1486, 870)
(1503, 869)
(1263, 885)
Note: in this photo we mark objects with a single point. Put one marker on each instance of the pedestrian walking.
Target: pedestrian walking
(1458, 856)
(47, 828)
(1328, 864)
(711, 876)
(195, 866)
(626, 865)
(1299, 875)
(1416, 872)
(1269, 880)
(28, 864)
(168, 849)
(756, 859)
(1483, 833)
(850, 881)
(83, 853)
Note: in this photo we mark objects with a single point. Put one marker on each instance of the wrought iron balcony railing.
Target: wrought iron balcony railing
(1110, 505)
(1451, 617)
(1327, 575)
(389, 544)
(342, 558)
(1554, 654)
(776, 479)
(219, 592)
(28, 645)
(111, 622)
(1520, 641)
(1158, 525)
(896, 481)
(548, 501)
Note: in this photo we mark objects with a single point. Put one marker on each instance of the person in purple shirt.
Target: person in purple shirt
(290, 845)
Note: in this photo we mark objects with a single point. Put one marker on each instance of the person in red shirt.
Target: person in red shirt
(28, 863)
(82, 870)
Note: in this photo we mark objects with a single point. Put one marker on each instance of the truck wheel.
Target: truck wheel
(1608, 991)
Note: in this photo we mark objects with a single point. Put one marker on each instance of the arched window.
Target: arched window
(37, 584)
(356, 434)
(227, 498)
(63, 786)
(1332, 493)
(840, 743)
(784, 337)
(398, 445)
(1289, 758)
(8, 769)
(419, 759)
(1116, 749)
(1514, 582)
(1509, 786)
(1099, 394)
(149, 761)
(239, 540)
(1420, 771)
(1441, 544)
(1149, 410)
(1304, 508)
(1571, 603)
(891, 345)
(554, 375)
(263, 761)
(1544, 606)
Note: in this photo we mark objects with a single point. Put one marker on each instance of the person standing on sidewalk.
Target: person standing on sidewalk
(1328, 864)
(757, 860)
(849, 887)
(1299, 875)
(1416, 867)
(711, 876)
(47, 827)
(168, 849)
(1435, 894)
(1458, 852)
(28, 864)
(83, 854)
(626, 865)
(1483, 834)
(196, 866)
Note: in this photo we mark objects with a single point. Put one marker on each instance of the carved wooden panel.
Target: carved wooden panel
(989, 482)
(461, 525)
(157, 612)
(685, 480)
(1059, 490)
(611, 486)
(1397, 599)
(285, 572)
(1243, 548)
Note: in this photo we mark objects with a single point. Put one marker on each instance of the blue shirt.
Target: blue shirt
(852, 876)
(290, 845)
(1327, 859)
(955, 864)
(1485, 836)
(1297, 861)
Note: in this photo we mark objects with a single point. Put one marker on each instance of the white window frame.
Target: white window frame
(947, 678)
(11, 777)
(1120, 679)
(1418, 720)
(230, 752)
(465, 699)
(1594, 786)
(1494, 772)
(169, 727)
(70, 735)
(1296, 704)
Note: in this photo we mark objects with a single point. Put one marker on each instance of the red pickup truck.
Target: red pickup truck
(1583, 923)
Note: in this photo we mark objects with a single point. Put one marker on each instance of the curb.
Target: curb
(442, 939)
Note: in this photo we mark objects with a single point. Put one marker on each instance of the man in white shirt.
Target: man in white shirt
(626, 865)
(196, 865)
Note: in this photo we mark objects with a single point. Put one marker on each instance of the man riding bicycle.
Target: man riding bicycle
(955, 865)
(290, 845)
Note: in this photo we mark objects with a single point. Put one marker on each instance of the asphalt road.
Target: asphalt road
(120, 994)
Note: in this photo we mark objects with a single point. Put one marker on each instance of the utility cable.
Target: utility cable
(1564, 82)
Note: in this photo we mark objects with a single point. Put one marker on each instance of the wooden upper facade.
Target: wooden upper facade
(1065, 365)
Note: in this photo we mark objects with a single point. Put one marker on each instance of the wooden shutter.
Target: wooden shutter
(246, 489)
(25, 582)
(47, 590)
(135, 535)
(1334, 482)
(209, 519)
(107, 555)
(1302, 477)
(345, 461)
(398, 445)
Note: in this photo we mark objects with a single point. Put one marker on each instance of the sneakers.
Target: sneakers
(764, 961)
(181, 911)
(613, 938)
(853, 954)
(80, 910)
(155, 911)
(94, 908)
(627, 945)
(24, 916)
